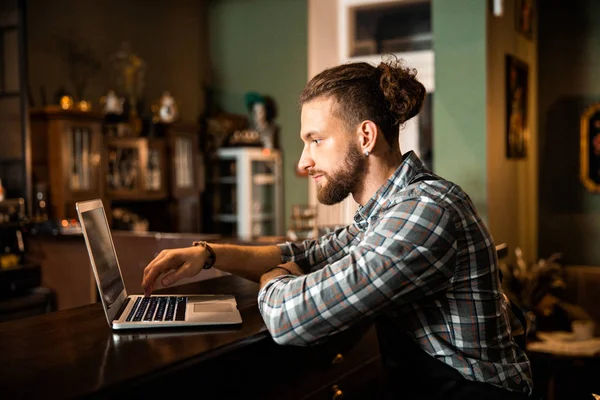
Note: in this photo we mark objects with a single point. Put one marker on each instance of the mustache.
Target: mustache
(314, 172)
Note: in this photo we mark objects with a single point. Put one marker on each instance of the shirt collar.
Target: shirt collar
(410, 168)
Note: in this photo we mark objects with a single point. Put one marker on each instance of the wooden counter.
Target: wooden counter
(74, 354)
(66, 267)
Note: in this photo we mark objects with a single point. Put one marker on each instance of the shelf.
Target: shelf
(262, 217)
(226, 179)
(233, 218)
(263, 179)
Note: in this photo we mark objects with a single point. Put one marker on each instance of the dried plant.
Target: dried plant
(80, 62)
(527, 284)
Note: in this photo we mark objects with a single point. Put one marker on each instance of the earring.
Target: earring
(366, 153)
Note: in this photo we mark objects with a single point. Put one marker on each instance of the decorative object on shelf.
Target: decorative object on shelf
(66, 102)
(590, 148)
(124, 219)
(84, 105)
(524, 17)
(220, 128)
(166, 111)
(245, 138)
(40, 205)
(80, 61)
(113, 104)
(130, 78)
(517, 128)
(262, 114)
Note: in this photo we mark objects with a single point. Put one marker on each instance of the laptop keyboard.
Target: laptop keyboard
(158, 308)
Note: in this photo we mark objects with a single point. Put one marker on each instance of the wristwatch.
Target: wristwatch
(212, 258)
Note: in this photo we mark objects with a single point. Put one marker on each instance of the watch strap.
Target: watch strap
(212, 258)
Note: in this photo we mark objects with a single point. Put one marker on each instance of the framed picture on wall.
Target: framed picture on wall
(524, 17)
(590, 148)
(517, 129)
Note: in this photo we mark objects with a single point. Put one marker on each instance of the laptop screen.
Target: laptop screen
(105, 259)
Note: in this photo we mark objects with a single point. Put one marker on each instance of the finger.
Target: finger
(158, 257)
(184, 271)
(156, 267)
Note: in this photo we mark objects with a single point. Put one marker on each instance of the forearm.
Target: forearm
(248, 262)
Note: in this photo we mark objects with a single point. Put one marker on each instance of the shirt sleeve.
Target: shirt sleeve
(407, 253)
(311, 255)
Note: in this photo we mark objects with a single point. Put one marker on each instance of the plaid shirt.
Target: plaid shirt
(416, 252)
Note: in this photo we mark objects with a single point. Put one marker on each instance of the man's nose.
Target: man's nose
(305, 162)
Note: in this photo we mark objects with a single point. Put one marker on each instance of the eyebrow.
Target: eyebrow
(307, 135)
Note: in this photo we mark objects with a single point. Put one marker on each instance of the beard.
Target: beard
(343, 181)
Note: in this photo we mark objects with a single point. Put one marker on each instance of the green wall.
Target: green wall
(459, 116)
(261, 45)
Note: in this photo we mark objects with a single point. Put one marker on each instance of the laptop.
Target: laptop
(125, 311)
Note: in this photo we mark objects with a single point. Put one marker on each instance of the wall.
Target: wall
(459, 106)
(261, 45)
(511, 190)
(569, 82)
(169, 37)
(323, 52)
(469, 116)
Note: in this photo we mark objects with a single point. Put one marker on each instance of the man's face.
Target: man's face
(331, 154)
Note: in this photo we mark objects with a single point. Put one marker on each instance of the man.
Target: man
(418, 260)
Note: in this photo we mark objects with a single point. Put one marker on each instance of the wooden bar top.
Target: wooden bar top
(73, 353)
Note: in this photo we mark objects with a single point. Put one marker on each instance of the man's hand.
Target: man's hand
(281, 269)
(176, 264)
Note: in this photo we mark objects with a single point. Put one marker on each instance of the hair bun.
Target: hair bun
(403, 92)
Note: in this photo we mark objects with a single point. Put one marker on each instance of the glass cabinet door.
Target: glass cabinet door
(264, 198)
(83, 158)
(248, 188)
(135, 168)
(123, 167)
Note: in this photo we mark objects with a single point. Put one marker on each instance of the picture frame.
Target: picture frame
(517, 93)
(590, 148)
(524, 17)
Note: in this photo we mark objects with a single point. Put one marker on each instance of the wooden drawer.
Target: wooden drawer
(339, 357)
(361, 383)
(270, 371)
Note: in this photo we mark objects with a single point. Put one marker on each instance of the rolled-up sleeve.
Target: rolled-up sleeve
(406, 253)
(311, 255)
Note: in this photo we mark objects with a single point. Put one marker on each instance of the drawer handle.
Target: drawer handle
(337, 359)
(337, 393)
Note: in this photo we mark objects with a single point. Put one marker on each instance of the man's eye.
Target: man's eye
(316, 141)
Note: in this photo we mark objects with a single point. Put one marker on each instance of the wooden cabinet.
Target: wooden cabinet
(157, 180)
(66, 155)
(135, 168)
(187, 173)
(186, 177)
(347, 365)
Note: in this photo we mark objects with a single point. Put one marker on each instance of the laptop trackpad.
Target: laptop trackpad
(213, 307)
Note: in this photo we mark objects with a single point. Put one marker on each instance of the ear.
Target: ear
(368, 131)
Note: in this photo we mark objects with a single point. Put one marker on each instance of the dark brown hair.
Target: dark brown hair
(389, 94)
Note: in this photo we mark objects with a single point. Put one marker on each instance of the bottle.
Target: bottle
(1, 190)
